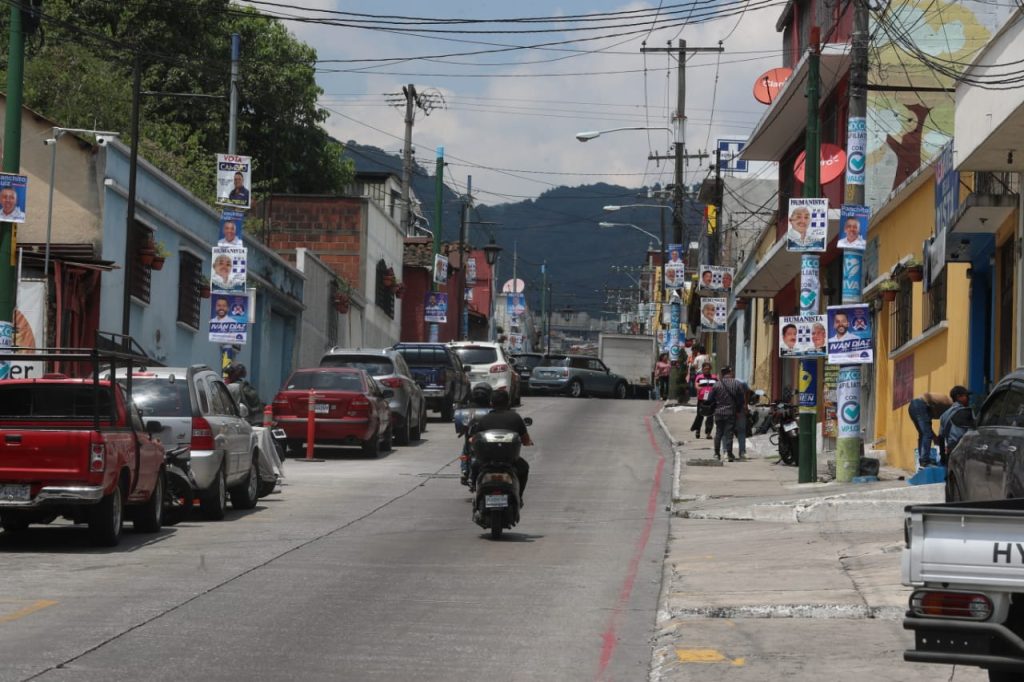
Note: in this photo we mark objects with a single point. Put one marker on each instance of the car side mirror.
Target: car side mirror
(243, 411)
(388, 393)
(154, 427)
(528, 421)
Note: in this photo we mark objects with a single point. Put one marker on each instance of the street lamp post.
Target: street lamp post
(588, 135)
(635, 227)
(491, 253)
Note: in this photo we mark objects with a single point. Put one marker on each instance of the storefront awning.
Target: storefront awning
(785, 120)
(778, 267)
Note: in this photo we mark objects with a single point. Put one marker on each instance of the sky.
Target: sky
(510, 118)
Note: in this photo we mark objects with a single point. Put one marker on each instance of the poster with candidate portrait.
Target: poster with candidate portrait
(228, 269)
(853, 226)
(802, 336)
(229, 317)
(808, 225)
(471, 271)
(713, 314)
(436, 307)
(440, 268)
(230, 228)
(515, 304)
(675, 270)
(13, 194)
(234, 180)
(715, 279)
(849, 330)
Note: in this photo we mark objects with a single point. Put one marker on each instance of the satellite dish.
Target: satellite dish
(513, 286)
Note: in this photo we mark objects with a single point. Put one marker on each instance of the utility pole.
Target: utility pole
(133, 165)
(848, 387)
(12, 164)
(410, 117)
(435, 328)
(236, 53)
(464, 250)
(544, 319)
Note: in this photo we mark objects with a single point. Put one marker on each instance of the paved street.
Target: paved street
(365, 570)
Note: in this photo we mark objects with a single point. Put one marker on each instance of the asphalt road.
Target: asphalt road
(370, 570)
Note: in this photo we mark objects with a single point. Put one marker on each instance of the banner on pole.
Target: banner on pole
(234, 178)
(715, 279)
(436, 307)
(808, 225)
(856, 150)
(228, 269)
(440, 268)
(848, 402)
(850, 342)
(675, 270)
(229, 318)
(802, 336)
(13, 197)
(713, 312)
(853, 226)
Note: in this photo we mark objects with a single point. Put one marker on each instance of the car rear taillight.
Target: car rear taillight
(392, 382)
(358, 407)
(281, 405)
(498, 369)
(97, 457)
(202, 434)
(943, 604)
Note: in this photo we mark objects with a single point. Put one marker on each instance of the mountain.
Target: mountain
(560, 227)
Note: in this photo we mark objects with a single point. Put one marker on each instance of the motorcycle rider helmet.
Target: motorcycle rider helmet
(481, 395)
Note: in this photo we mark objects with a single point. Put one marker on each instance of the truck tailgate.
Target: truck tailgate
(28, 454)
(428, 376)
(981, 544)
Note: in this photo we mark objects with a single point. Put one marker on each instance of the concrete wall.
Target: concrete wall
(384, 241)
(317, 318)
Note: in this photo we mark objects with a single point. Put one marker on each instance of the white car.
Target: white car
(486, 363)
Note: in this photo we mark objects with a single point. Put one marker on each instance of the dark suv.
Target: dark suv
(524, 363)
(438, 371)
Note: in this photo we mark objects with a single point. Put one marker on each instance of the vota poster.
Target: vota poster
(849, 329)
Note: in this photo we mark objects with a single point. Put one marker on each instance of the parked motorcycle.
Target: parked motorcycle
(497, 502)
(180, 487)
(786, 432)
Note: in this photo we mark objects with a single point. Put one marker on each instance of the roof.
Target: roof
(82, 255)
(418, 253)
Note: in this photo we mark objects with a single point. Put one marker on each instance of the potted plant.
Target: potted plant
(204, 287)
(389, 278)
(342, 298)
(914, 269)
(147, 252)
(161, 254)
(399, 289)
(888, 290)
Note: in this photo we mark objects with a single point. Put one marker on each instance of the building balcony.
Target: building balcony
(989, 205)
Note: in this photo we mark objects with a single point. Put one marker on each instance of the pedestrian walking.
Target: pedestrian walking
(955, 421)
(662, 369)
(922, 411)
(704, 381)
(727, 399)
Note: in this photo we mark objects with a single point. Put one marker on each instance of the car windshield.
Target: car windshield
(425, 357)
(555, 361)
(375, 365)
(528, 361)
(477, 355)
(161, 397)
(325, 381)
(54, 400)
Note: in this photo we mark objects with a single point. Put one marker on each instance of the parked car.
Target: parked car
(988, 462)
(524, 364)
(351, 409)
(438, 371)
(78, 448)
(486, 363)
(194, 408)
(577, 376)
(388, 367)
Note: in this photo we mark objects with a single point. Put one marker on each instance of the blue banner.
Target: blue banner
(853, 269)
(808, 384)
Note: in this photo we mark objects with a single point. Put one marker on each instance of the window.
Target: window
(190, 270)
(161, 397)
(141, 275)
(385, 297)
(900, 324)
(396, 200)
(477, 355)
(374, 365)
(993, 409)
(933, 310)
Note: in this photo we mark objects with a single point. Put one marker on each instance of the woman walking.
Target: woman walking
(662, 368)
(705, 381)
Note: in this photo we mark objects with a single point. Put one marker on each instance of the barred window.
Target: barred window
(141, 275)
(190, 272)
(900, 323)
(384, 296)
(933, 310)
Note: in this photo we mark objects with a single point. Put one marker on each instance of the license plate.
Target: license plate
(789, 427)
(495, 501)
(278, 433)
(321, 409)
(14, 493)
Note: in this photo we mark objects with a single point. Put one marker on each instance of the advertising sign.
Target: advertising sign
(440, 269)
(675, 272)
(29, 327)
(856, 150)
(830, 423)
(435, 308)
(229, 317)
(230, 228)
(808, 225)
(802, 336)
(769, 83)
(470, 271)
(853, 268)
(715, 279)
(853, 226)
(808, 385)
(6, 342)
(13, 194)
(810, 284)
(713, 314)
(234, 178)
(848, 402)
(947, 203)
(831, 165)
(729, 151)
(849, 341)
(228, 269)
(515, 304)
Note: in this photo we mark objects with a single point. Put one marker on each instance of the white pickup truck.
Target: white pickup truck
(965, 561)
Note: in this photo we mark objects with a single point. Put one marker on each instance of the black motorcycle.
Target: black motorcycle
(497, 502)
(180, 487)
(786, 432)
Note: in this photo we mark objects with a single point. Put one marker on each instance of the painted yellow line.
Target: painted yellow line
(706, 656)
(27, 610)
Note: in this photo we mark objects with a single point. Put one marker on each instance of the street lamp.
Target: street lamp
(635, 227)
(588, 135)
(102, 137)
(491, 253)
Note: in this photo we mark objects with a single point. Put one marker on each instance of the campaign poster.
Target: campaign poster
(13, 194)
(830, 423)
(436, 307)
(234, 178)
(853, 226)
(856, 150)
(515, 304)
(810, 284)
(713, 314)
(848, 402)
(853, 268)
(229, 317)
(675, 271)
(29, 327)
(228, 269)
(230, 228)
(440, 268)
(471, 271)
(715, 279)
(802, 336)
(808, 225)
(849, 341)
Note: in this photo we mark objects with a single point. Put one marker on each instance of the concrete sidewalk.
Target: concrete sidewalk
(769, 579)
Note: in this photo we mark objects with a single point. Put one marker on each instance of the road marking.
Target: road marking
(37, 605)
(706, 656)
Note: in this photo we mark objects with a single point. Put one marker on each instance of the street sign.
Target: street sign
(730, 150)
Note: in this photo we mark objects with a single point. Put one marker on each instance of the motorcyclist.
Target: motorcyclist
(242, 391)
(479, 405)
(501, 417)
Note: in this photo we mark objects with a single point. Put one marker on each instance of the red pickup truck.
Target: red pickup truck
(77, 448)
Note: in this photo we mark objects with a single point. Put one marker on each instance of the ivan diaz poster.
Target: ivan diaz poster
(849, 329)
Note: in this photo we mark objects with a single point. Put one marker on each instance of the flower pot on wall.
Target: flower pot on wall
(341, 303)
(158, 263)
(915, 274)
(204, 291)
(888, 295)
(147, 255)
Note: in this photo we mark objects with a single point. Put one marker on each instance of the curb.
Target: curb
(676, 459)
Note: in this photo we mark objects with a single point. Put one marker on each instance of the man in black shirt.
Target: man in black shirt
(501, 417)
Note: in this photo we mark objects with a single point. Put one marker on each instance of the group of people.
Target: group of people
(955, 418)
(721, 405)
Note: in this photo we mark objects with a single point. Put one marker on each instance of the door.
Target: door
(599, 377)
(220, 425)
(239, 429)
(984, 464)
